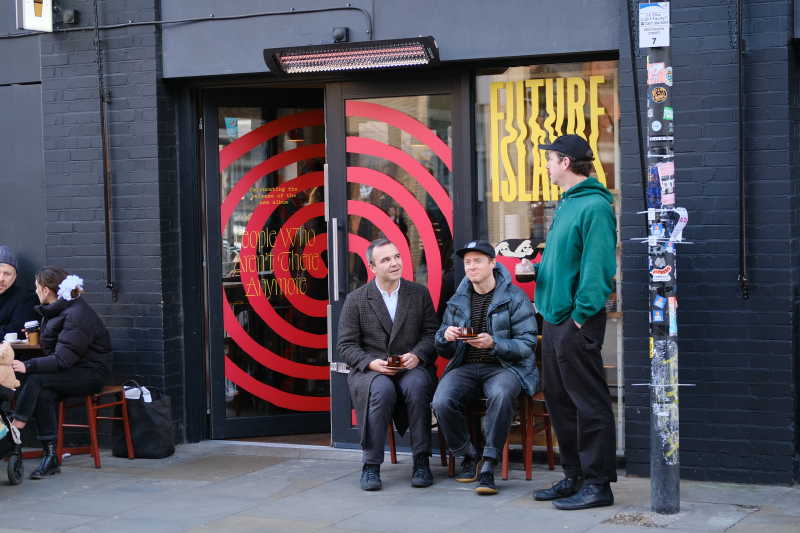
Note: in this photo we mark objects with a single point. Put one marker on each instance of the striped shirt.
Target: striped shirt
(479, 307)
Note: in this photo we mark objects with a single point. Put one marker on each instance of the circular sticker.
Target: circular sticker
(656, 125)
(659, 94)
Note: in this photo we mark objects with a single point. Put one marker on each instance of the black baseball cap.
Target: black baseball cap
(573, 146)
(484, 247)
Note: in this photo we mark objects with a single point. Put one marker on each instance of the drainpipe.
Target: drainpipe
(744, 279)
(105, 97)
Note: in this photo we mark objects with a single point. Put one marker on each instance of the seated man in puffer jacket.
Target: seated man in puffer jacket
(497, 362)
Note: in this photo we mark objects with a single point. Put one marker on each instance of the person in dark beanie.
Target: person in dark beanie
(16, 303)
(77, 361)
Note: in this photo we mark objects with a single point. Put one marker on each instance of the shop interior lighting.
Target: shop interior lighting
(295, 136)
(392, 53)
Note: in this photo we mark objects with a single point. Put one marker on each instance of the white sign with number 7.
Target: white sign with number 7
(654, 25)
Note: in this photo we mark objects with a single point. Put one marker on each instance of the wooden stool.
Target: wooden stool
(94, 403)
(393, 445)
(530, 408)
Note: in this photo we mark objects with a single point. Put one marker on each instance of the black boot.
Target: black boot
(563, 489)
(590, 495)
(371, 477)
(486, 485)
(421, 475)
(49, 464)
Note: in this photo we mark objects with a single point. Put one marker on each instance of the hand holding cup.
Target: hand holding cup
(394, 361)
(467, 332)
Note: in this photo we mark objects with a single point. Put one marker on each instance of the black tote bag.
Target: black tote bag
(152, 431)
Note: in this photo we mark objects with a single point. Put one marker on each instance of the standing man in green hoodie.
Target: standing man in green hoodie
(573, 283)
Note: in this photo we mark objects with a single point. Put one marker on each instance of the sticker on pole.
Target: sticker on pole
(654, 25)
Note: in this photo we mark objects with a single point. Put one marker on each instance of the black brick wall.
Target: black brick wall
(739, 422)
(145, 321)
(795, 247)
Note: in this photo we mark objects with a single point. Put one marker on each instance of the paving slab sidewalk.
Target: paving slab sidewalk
(242, 487)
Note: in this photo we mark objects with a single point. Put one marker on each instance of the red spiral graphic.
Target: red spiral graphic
(416, 212)
(254, 349)
(287, 243)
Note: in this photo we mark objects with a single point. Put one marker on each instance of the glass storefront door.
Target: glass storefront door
(266, 262)
(391, 174)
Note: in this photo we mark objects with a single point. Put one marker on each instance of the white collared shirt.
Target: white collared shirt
(390, 299)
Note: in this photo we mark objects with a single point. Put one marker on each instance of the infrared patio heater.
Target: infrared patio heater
(343, 57)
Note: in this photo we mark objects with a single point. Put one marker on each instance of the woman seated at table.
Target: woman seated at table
(77, 359)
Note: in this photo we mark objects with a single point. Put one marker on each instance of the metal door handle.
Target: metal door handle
(327, 192)
(334, 227)
(329, 312)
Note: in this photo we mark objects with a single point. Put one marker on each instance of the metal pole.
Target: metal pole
(666, 224)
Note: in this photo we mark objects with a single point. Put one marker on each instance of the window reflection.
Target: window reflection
(517, 109)
(434, 114)
(274, 260)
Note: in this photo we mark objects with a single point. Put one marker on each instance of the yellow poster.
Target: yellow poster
(526, 113)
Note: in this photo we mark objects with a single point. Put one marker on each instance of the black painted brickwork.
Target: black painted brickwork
(145, 322)
(739, 422)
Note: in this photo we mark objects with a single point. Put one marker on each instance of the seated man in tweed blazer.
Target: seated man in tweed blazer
(390, 316)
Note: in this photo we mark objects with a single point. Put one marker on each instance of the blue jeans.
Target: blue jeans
(466, 383)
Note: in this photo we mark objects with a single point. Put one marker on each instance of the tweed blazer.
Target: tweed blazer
(367, 332)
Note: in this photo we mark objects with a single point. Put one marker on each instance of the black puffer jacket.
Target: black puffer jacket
(72, 336)
(511, 322)
(16, 308)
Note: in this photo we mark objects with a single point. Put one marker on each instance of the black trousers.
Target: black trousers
(416, 388)
(577, 397)
(40, 394)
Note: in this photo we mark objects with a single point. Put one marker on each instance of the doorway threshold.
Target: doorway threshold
(313, 439)
(293, 450)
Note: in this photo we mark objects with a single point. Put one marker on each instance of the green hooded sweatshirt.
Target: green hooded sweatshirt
(579, 261)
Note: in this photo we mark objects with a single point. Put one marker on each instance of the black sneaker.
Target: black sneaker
(563, 489)
(470, 467)
(371, 477)
(590, 495)
(422, 475)
(486, 484)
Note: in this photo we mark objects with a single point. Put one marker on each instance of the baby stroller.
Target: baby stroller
(9, 441)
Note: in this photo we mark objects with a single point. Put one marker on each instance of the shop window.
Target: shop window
(516, 109)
